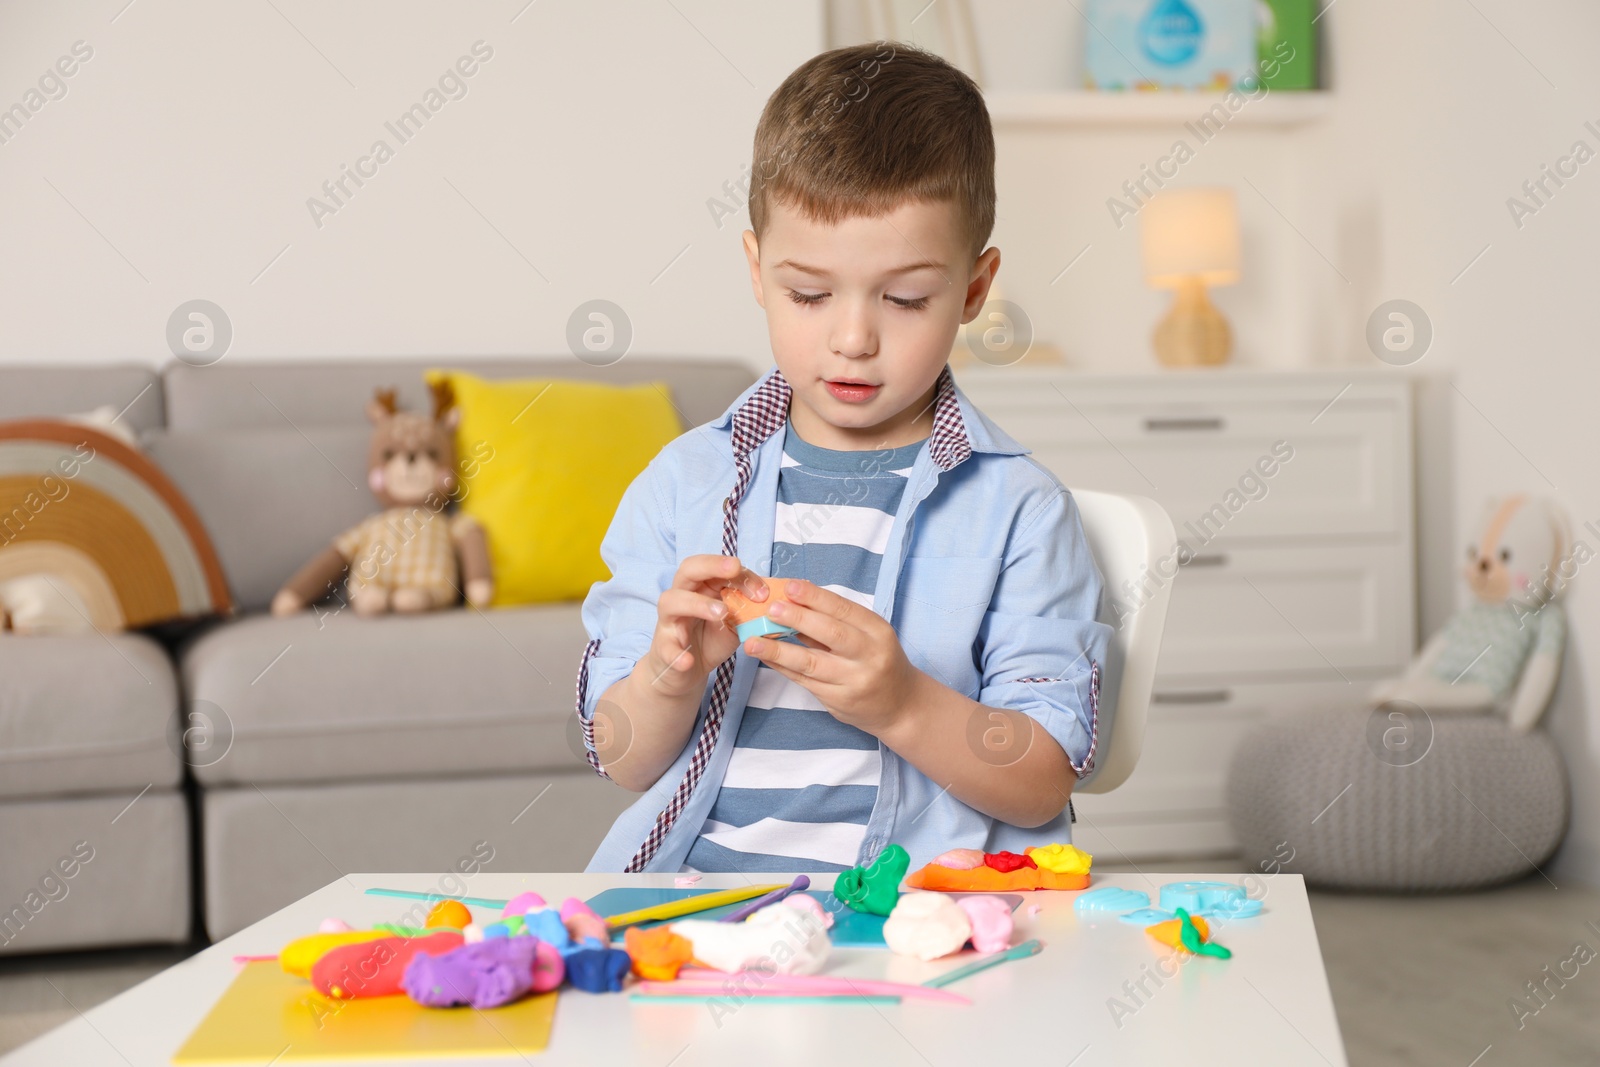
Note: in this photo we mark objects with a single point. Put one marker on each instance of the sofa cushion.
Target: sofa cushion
(234, 395)
(271, 498)
(28, 391)
(92, 871)
(326, 695)
(545, 487)
(273, 455)
(86, 714)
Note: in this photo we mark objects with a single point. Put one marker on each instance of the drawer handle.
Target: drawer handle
(1210, 559)
(1197, 696)
(1208, 423)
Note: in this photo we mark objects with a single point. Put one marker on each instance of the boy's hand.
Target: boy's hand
(691, 639)
(851, 659)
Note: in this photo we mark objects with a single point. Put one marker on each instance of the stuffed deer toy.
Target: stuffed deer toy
(405, 558)
(1502, 653)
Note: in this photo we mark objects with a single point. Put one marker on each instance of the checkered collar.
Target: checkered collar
(959, 429)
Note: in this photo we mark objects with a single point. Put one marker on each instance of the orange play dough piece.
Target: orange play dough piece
(988, 880)
(657, 953)
(451, 914)
(741, 609)
(1170, 931)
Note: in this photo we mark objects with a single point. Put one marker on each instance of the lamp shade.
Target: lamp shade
(1190, 233)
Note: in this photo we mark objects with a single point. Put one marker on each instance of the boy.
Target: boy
(943, 690)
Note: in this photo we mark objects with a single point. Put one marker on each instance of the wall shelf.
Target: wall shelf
(1282, 109)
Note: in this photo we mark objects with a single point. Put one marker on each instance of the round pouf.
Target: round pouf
(1392, 799)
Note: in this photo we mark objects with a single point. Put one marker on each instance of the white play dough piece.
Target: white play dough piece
(927, 926)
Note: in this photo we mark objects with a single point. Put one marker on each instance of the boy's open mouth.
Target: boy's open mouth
(852, 392)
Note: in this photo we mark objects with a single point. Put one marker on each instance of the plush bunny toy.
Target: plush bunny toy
(1502, 653)
(405, 557)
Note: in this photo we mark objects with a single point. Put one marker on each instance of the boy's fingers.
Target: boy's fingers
(694, 571)
(832, 631)
(699, 571)
(750, 583)
(686, 604)
(825, 601)
(804, 662)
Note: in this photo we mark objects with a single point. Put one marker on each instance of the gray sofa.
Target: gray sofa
(318, 744)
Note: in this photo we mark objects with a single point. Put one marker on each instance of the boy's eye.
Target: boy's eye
(805, 298)
(915, 304)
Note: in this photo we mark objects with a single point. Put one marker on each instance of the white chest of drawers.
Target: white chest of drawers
(1292, 496)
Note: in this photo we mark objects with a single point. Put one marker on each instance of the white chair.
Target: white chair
(1133, 541)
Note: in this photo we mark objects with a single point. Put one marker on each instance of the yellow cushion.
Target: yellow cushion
(544, 463)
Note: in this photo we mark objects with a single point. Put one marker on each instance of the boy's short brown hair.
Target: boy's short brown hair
(859, 131)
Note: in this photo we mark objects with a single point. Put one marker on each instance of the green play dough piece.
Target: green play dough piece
(1190, 936)
(1186, 931)
(874, 889)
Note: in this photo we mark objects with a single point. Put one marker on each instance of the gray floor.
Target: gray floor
(1419, 981)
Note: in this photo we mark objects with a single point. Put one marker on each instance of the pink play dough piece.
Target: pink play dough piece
(991, 922)
(548, 967)
(582, 921)
(523, 903)
(960, 859)
(334, 926)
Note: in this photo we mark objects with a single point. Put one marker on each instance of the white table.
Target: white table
(1269, 1004)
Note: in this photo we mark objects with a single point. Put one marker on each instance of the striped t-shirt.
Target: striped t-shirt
(800, 784)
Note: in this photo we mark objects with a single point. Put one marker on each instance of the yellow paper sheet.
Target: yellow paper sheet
(267, 1016)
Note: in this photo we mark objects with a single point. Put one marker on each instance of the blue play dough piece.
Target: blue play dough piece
(546, 925)
(579, 946)
(1201, 897)
(496, 930)
(1112, 898)
(1145, 917)
(598, 970)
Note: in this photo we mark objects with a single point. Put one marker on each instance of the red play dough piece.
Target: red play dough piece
(374, 968)
(1006, 862)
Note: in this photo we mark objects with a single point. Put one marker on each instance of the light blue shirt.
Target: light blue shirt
(987, 579)
(800, 785)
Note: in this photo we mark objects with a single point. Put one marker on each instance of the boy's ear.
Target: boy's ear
(752, 253)
(983, 274)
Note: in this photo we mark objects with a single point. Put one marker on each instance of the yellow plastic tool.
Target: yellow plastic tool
(676, 909)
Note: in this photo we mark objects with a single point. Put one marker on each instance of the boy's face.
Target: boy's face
(842, 307)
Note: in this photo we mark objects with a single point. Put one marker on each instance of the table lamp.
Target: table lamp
(1190, 239)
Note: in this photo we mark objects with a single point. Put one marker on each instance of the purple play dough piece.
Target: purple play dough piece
(485, 975)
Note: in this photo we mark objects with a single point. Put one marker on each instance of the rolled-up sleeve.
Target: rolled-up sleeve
(619, 614)
(1043, 649)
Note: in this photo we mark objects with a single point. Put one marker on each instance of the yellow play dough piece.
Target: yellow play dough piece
(1061, 859)
(299, 955)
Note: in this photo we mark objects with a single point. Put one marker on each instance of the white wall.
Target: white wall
(179, 163)
(1444, 110)
(577, 166)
